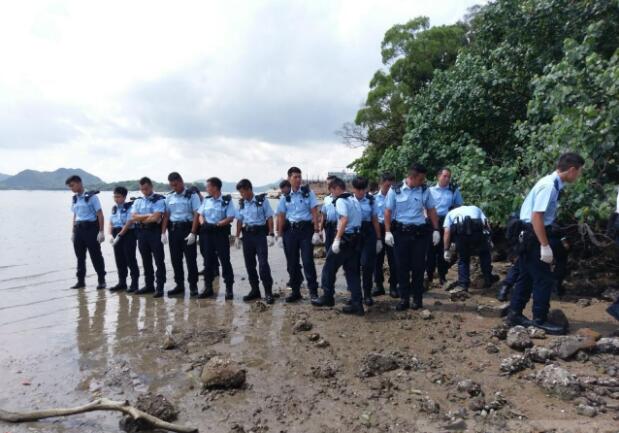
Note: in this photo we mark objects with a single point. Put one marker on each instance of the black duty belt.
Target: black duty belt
(299, 225)
(84, 224)
(148, 226)
(214, 228)
(415, 229)
(330, 224)
(178, 225)
(255, 229)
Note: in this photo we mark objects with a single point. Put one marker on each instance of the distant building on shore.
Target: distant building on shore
(346, 176)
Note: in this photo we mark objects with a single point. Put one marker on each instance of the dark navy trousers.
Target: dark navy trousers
(216, 245)
(85, 239)
(179, 248)
(124, 255)
(411, 249)
(379, 275)
(298, 244)
(465, 252)
(150, 246)
(330, 232)
(255, 246)
(348, 257)
(435, 259)
(512, 274)
(368, 255)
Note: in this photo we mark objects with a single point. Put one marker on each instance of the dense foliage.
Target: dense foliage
(537, 78)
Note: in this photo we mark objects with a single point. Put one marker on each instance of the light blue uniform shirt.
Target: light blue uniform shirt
(349, 207)
(445, 199)
(368, 210)
(180, 207)
(380, 201)
(147, 205)
(120, 214)
(296, 207)
(407, 207)
(544, 197)
(213, 209)
(85, 210)
(253, 215)
(459, 213)
(328, 209)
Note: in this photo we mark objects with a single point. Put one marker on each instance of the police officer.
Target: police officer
(508, 282)
(216, 215)
(328, 219)
(88, 231)
(182, 223)
(386, 181)
(371, 243)
(255, 222)
(298, 216)
(344, 251)
(124, 241)
(468, 227)
(284, 189)
(406, 229)
(537, 214)
(147, 212)
(446, 196)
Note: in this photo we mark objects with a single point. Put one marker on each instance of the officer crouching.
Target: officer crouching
(255, 222)
(407, 230)
(468, 227)
(124, 241)
(345, 251)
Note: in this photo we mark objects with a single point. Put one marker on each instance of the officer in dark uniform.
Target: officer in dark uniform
(124, 241)
(386, 181)
(298, 216)
(404, 215)
(345, 251)
(371, 243)
(468, 227)
(329, 218)
(255, 222)
(284, 188)
(182, 223)
(88, 231)
(147, 213)
(537, 242)
(216, 215)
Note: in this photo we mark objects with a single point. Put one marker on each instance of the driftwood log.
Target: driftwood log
(97, 405)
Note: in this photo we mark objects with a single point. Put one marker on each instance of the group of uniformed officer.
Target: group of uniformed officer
(405, 222)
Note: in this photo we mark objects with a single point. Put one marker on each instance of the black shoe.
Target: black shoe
(293, 297)
(347, 301)
(158, 294)
(118, 287)
(101, 285)
(202, 272)
(402, 306)
(313, 296)
(613, 310)
(550, 328)
(488, 282)
(560, 290)
(514, 319)
(229, 294)
(416, 305)
(323, 301)
(133, 287)
(393, 292)
(208, 293)
(176, 291)
(193, 290)
(379, 290)
(442, 280)
(368, 301)
(503, 293)
(268, 298)
(78, 285)
(253, 294)
(355, 309)
(145, 290)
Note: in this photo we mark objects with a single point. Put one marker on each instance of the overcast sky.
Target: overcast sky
(208, 88)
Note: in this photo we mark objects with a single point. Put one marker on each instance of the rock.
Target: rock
(458, 294)
(559, 382)
(558, 317)
(586, 410)
(515, 363)
(259, 307)
(518, 338)
(583, 302)
(456, 424)
(493, 310)
(471, 388)
(498, 402)
(536, 333)
(322, 343)
(426, 315)
(168, 342)
(302, 325)
(429, 406)
(582, 356)
(492, 348)
(608, 345)
(153, 404)
(610, 294)
(313, 337)
(499, 332)
(565, 347)
(320, 252)
(477, 404)
(375, 363)
(540, 354)
(325, 370)
(222, 373)
(588, 332)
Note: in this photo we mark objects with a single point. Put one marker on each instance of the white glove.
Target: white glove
(389, 239)
(237, 243)
(316, 239)
(72, 237)
(270, 240)
(112, 239)
(280, 241)
(191, 239)
(379, 246)
(335, 246)
(447, 255)
(546, 254)
(116, 240)
(436, 237)
(164, 238)
(100, 237)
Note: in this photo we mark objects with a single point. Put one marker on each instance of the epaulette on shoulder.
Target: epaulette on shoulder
(343, 195)
(305, 191)
(260, 198)
(226, 199)
(397, 188)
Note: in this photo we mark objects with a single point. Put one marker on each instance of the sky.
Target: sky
(228, 88)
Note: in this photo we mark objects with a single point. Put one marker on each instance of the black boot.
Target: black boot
(403, 305)
(80, 284)
(514, 318)
(503, 294)
(442, 280)
(177, 291)
(323, 301)
(550, 328)
(254, 293)
(379, 290)
(229, 293)
(145, 290)
(208, 293)
(313, 295)
(101, 285)
(393, 292)
(193, 290)
(158, 292)
(354, 309)
(133, 287)
(417, 304)
(118, 287)
(268, 295)
(367, 297)
(489, 281)
(295, 296)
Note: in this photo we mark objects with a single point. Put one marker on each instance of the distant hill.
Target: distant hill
(32, 179)
(4, 176)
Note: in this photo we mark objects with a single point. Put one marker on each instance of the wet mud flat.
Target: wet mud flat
(294, 368)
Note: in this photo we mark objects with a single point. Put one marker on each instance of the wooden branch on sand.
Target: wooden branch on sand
(99, 404)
